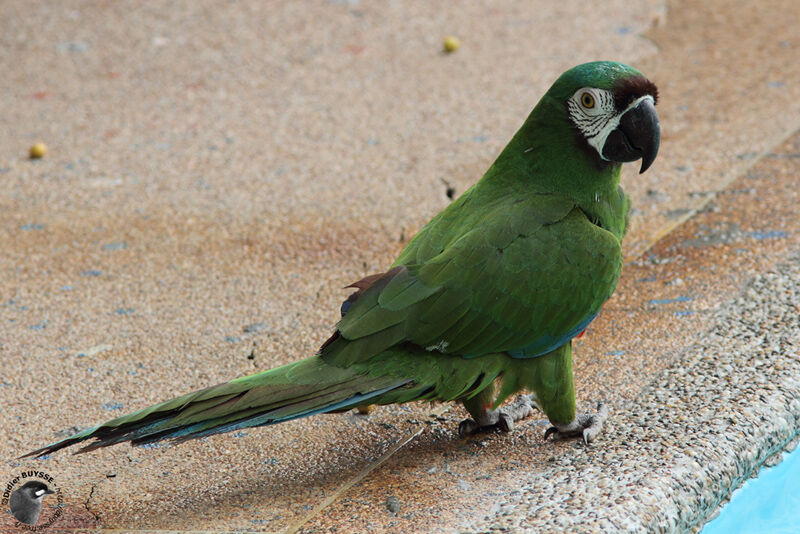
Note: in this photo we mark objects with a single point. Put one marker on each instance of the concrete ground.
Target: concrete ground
(218, 171)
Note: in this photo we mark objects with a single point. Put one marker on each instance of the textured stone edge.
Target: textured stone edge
(702, 427)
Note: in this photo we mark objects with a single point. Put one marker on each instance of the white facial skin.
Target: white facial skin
(592, 111)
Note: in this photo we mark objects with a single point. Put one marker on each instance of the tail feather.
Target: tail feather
(276, 417)
(299, 389)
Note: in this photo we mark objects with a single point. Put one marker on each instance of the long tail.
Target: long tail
(299, 389)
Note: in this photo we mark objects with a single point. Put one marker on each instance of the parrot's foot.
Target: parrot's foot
(502, 418)
(586, 425)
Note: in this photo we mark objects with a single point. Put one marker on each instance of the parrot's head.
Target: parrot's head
(611, 108)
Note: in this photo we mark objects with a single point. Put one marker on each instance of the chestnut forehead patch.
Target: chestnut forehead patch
(629, 89)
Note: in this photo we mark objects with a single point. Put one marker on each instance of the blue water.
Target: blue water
(768, 504)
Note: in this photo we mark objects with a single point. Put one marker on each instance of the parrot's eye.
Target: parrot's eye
(587, 100)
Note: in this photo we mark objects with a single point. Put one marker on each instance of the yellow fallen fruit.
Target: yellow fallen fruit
(38, 151)
(451, 44)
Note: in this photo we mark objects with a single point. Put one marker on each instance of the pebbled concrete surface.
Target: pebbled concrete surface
(692, 436)
(218, 171)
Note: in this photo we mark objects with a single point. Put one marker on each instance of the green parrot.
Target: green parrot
(482, 303)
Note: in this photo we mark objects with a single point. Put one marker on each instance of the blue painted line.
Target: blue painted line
(670, 301)
(768, 234)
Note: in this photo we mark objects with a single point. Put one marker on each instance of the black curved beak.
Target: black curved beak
(637, 136)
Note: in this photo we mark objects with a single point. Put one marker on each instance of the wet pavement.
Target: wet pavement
(216, 173)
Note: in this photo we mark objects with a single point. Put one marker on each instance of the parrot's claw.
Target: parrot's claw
(502, 418)
(585, 425)
(468, 427)
(505, 422)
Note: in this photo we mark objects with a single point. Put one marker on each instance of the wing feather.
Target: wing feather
(521, 279)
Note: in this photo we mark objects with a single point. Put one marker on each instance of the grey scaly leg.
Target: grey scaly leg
(502, 418)
(584, 425)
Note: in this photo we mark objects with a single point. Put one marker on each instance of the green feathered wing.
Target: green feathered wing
(524, 280)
